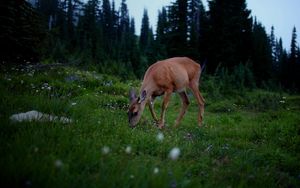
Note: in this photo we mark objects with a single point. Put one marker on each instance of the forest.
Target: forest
(227, 38)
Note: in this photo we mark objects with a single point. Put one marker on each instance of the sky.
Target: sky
(282, 14)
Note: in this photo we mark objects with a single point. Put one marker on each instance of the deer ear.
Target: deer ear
(132, 95)
(143, 96)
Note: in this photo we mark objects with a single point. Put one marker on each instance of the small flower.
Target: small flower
(58, 163)
(160, 137)
(156, 170)
(282, 101)
(73, 103)
(128, 149)
(174, 153)
(131, 176)
(209, 148)
(105, 150)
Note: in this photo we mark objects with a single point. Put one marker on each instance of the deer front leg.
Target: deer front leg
(151, 107)
(185, 103)
(166, 100)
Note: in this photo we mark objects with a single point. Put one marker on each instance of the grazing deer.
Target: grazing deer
(164, 78)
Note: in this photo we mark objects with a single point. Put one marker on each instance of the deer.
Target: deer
(164, 78)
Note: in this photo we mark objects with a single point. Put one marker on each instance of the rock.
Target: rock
(39, 117)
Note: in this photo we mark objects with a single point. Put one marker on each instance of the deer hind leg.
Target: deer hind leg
(165, 103)
(200, 101)
(151, 107)
(185, 104)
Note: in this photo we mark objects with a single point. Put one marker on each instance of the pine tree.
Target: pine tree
(293, 55)
(73, 9)
(161, 34)
(134, 50)
(90, 31)
(21, 32)
(177, 32)
(194, 26)
(273, 46)
(293, 67)
(123, 32)
(114, 31)
(107, 26)
(144, 37)
(229, 39)
(261, 54)
(50, 10)
(278, 57)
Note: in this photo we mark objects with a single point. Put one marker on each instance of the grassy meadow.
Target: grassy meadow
(249, 138)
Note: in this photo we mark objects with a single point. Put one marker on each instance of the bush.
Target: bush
(228, 83)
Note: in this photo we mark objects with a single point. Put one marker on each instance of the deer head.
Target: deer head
(136, 107)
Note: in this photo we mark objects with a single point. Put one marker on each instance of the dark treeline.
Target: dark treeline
(100, 33)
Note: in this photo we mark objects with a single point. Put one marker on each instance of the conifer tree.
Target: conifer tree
(161, 34)
(261, 54)
(107, 26)
(145, 32)
(230, 25)
(177, 34)
(293, 49)
(22, 32)
(293, 67)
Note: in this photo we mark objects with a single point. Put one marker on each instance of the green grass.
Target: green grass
(249, 140)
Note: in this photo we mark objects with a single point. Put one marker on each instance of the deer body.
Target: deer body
(164, 78)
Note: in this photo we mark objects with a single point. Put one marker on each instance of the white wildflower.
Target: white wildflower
(128, 149)
(105, 150)
(160, 137)
(174, 153)
(156, 170)
(73, 103)
(36, 149)
(209, 148)
(58, 163)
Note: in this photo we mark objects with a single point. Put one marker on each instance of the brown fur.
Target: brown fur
(164, 78)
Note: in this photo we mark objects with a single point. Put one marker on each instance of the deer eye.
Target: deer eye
(134, 113)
